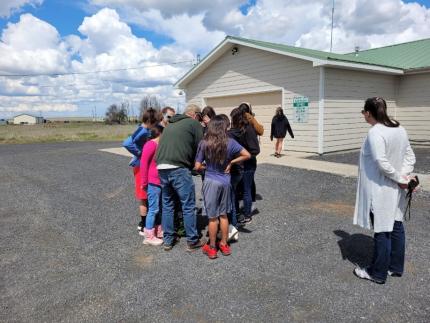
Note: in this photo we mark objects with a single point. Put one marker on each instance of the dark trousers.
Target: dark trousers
(236, 179)
(389, 252)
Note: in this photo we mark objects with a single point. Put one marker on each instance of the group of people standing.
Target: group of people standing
(169, 148)
(223, 151)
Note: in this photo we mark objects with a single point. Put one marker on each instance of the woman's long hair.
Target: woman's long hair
(238, 120)
(216, 140)
(377, 107)
(279, 113)
(151, 117)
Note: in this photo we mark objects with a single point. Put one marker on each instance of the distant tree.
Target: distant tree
(149, 101)
(117, 114)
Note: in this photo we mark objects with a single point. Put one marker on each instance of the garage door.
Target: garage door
(263, 106)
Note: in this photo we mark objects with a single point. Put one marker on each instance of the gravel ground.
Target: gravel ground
(69, 250)
(422, 155)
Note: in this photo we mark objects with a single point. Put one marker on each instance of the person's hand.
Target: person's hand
(404, 186)
(227, 169)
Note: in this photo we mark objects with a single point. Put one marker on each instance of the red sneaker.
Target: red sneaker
(225, 249)
(209, 251)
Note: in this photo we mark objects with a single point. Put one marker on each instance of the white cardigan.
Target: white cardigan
(386, 156)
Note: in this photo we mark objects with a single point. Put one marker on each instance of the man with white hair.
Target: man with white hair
(175, 159)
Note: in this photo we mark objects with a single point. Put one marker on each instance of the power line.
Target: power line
(94, 72)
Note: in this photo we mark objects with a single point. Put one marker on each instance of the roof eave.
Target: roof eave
(419, 70)
(358, 66)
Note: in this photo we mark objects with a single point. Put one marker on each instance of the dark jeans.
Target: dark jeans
(389, 252)
(235, 180)
(249, 168)
(178, 181)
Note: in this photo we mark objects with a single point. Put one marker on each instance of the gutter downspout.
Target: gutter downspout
(321, 95)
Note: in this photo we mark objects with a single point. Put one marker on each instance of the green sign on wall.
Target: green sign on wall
(301, 109)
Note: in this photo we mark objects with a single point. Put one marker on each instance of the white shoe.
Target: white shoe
(233, 234)
(363, 274)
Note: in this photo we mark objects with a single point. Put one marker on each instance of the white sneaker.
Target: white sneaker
(363, 274)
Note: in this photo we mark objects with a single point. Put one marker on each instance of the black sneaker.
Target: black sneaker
(394, 274)
(141, 224)
(194, 246)
(168, 247)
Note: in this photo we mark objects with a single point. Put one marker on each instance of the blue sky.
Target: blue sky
(129, 33)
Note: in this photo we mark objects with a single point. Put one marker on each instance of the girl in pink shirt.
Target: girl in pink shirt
(152, 185)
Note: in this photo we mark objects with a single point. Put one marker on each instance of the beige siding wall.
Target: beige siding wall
(345, 93)
(413, 106)
(256, 71)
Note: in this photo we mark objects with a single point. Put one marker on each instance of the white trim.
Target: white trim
(321, 111)
(274, 89)
(357, 66)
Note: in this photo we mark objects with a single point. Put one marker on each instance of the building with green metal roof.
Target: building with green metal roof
(321, 93)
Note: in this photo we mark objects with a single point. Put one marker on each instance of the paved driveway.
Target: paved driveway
(69, 250)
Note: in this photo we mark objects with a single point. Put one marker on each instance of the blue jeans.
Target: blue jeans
(389, 252)
(178, 180)
(249, 168)
(235, 180)
(154, 192)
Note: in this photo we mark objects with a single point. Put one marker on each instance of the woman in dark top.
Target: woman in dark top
(244, 133)
(279, 128)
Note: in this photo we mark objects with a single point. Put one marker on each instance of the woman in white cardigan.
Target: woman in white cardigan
(386, 160)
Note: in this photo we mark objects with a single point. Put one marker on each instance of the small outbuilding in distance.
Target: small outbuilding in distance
(321, 93)
(27, 119)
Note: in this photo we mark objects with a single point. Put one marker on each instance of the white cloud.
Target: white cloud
(7, 7)
(106, 41)
(39, 107)
(32, 46)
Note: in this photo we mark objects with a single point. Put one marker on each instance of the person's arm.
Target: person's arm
(408, 161)
(243, 155)
(200, 157)
(148, 153)
(272, 128)
(259, 129)
(377, 148)
(290, 131)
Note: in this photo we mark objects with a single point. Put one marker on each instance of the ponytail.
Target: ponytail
(377, 107)
(150, 117)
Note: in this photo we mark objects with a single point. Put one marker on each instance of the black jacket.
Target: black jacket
(247, 138)
(279, 127)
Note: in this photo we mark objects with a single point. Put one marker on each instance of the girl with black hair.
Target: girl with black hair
(386, 161)
(278, 130)
(217, 154)
(134, 144)
(242, 131)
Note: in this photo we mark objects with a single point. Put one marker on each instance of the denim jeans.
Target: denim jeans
(389, 252)
(249, 168)
(154, 193)
(179, 181)
(235, 180)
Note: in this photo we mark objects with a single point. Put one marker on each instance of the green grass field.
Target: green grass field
(55, 132)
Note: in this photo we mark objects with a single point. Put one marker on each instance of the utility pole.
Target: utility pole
(331, 33)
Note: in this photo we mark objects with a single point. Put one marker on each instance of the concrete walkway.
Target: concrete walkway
(298, 160)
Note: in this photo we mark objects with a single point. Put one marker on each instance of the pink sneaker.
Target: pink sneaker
(159, 231)
(151, 239)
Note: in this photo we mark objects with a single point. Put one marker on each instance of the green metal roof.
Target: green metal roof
(411, 55)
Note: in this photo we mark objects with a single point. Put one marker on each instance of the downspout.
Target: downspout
(321, 111)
